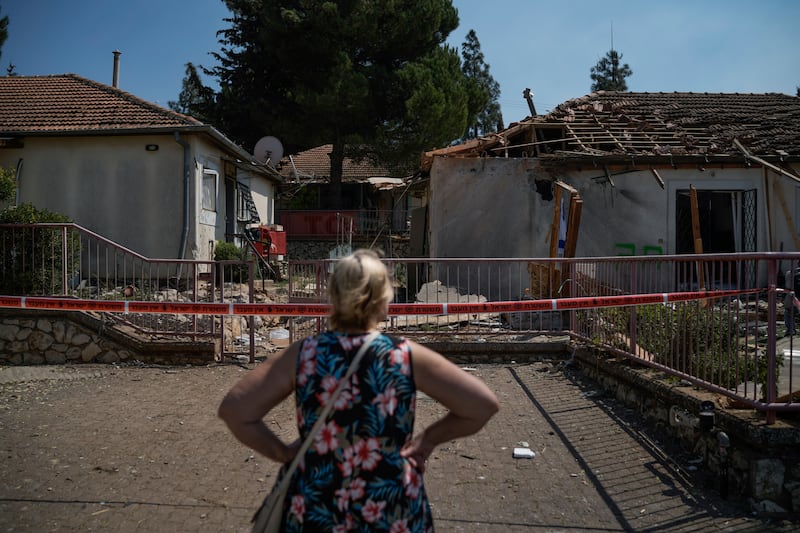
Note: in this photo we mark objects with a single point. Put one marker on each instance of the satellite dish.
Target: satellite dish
(268, 150)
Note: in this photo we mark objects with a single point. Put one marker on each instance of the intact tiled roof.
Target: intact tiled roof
(315, 164)
(650, 125)
(70, 103)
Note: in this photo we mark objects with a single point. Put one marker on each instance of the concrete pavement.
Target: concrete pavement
(121, 449)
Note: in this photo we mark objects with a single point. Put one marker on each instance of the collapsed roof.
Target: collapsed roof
(314, 166)
(613, 127)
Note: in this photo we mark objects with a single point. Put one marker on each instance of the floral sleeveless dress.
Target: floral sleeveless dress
(352, 477)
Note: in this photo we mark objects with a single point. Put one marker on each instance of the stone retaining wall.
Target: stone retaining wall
(34, 338)
(763, 462)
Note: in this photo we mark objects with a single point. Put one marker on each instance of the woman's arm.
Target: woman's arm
(250, 399)
(470, 402)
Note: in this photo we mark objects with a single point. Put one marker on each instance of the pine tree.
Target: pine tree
(375, 77)
(608, 75)
(195, 99)
(483, 109)
(3, 34)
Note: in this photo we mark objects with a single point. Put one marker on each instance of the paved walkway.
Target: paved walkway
(110, 449)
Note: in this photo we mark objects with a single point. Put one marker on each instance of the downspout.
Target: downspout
(18, 178)
(186, 176)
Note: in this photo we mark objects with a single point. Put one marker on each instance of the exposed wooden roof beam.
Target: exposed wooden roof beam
(657, 176)
(767, 164)
(524, 145)
(575, 137)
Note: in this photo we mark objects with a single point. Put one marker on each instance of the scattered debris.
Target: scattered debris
(523, 453)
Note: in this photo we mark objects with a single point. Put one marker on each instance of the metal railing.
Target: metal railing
(72, 262)
(724, 345)
(732, 345)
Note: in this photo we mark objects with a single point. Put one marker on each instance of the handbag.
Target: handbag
(269, 516)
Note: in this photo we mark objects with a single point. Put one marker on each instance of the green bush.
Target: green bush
(698, 340)
(28, 214)
(33, 258)
(8, 184)
(227, 251)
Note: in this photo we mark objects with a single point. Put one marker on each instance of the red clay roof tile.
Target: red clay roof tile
(70, 103)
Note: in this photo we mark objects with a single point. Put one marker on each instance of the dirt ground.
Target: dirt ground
(139, 448)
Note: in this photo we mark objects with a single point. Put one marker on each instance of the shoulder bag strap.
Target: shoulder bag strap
(323, 415)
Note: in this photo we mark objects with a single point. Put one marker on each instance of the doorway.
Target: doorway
(727, 225)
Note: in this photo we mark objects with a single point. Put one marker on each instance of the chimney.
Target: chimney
(115, 83)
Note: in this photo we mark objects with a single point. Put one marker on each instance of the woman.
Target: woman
(364, 468)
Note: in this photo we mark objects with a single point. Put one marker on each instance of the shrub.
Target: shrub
(227, 251)
(699, 340)
(28, 214)
(8, 184)
(33, 258)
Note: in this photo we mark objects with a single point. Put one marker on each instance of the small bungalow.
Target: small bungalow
(155, 181)
(375, 200)
(628, 164)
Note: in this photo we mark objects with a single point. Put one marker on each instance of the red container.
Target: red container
(262, 235)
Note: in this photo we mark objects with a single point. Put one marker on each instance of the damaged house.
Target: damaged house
(622, 168)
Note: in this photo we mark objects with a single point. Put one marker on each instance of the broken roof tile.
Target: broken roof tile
(618, 124)
(315, 165)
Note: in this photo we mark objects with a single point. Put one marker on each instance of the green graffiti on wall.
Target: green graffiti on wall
(629, 248)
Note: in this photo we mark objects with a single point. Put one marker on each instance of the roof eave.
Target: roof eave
(660, 160)
(241, 155)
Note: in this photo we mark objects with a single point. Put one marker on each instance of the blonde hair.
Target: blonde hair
(359, 291)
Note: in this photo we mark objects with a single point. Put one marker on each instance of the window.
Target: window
(210, 188)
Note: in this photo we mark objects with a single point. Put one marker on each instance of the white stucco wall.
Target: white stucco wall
(210, 227)
(490, 208)
(486, 208)
(637, 212)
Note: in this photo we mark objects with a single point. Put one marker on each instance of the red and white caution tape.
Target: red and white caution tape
(180, 308)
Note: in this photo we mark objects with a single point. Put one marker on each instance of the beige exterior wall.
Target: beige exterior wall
(114, 186)
(110, 185)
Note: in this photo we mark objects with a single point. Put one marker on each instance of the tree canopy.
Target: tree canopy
(483, 108)
(3, 33)
(609, 75)
(195, 99)
(374, 79)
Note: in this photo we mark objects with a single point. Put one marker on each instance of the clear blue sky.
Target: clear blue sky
(671, 45)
